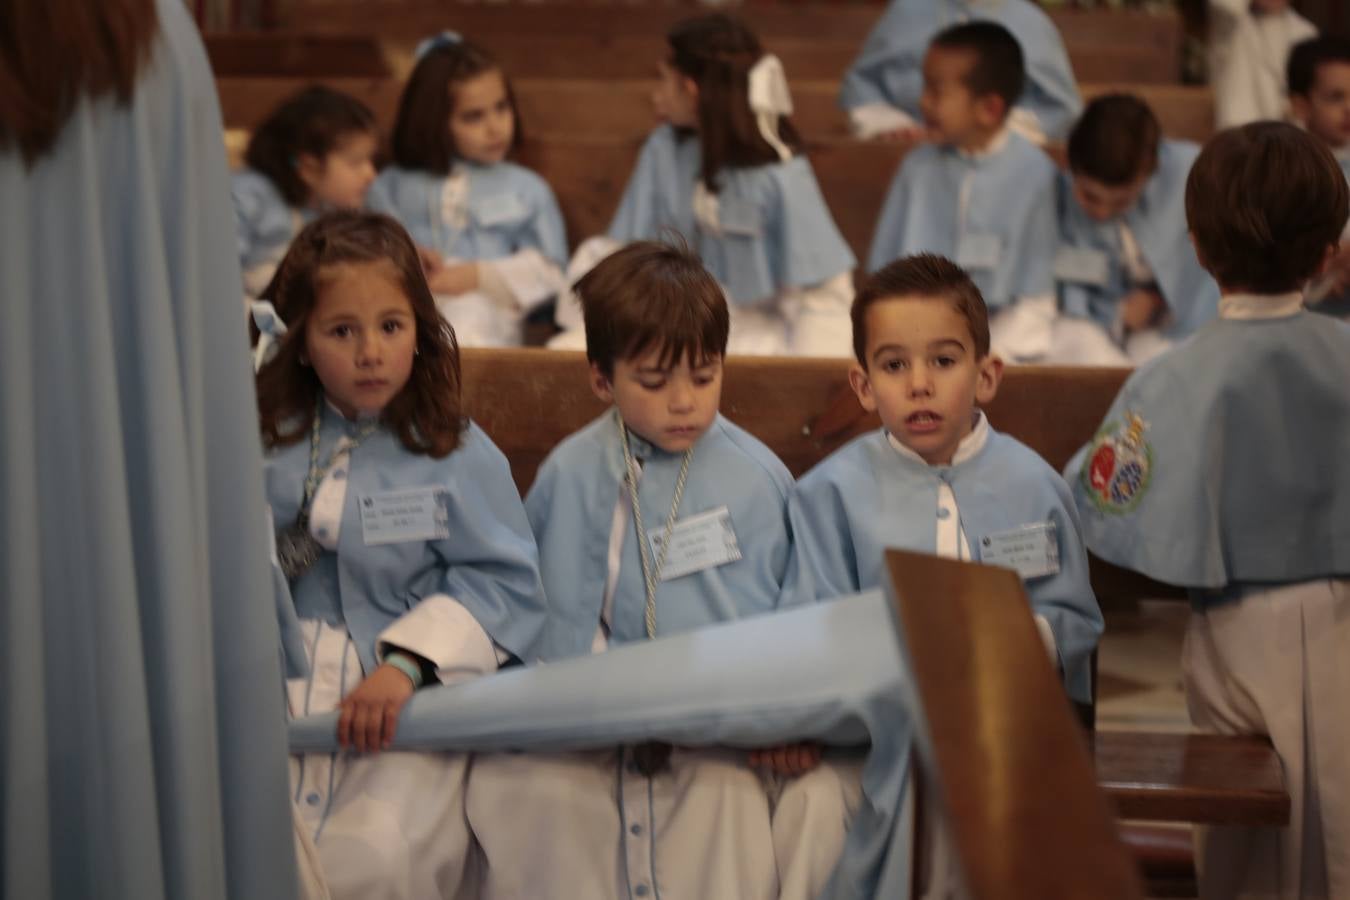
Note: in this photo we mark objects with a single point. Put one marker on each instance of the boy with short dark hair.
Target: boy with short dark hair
(1319, 100)
(659, 517)
(881, 89)
(1222, 469)
(979, 193)
(1128, 279)
(937, 478)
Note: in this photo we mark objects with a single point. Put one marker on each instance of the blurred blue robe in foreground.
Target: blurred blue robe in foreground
(142, 738)
(830, 672)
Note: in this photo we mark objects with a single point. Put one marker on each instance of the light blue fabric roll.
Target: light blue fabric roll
(830, 672)
(141, 721)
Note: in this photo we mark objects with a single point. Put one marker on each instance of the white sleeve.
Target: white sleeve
(443, 632)
(522, 280)
(1048, 638)
(871, 119)
(1023, 332)
(1026, 123)
(588, 255)
(819, 317)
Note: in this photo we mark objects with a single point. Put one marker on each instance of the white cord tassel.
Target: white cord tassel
(270, 332)
(770, 100)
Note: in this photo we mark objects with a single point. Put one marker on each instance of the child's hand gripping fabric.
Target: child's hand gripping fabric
(369, 714)
(790, 759)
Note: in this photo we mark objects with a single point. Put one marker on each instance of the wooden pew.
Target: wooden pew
(622, 108)
(576, 54)
(1002, 766)
(1159, 30)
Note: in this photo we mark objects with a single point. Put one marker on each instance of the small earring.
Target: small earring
(417, 351)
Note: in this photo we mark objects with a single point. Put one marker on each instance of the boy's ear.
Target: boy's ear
(601, 385)
(309, 167)
(988, 378)
(991, 110)
(862, 387)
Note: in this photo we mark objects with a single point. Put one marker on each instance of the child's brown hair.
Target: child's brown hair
(1115, 141)
(925, 275)
(427, 414)
(717, 52)
(422, 138)
(652, 295)
(311, 123)
(1264, 202)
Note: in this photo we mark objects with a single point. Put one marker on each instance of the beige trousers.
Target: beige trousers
(1277, 662)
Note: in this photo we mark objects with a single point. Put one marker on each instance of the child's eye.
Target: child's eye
(503, 106)
(342, 331)
(893, 365)
(943, 362)
(703, 380)
(653, 385)
(393, 326)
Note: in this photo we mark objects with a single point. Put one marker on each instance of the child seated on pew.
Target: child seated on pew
(1128, 278)
(489, 231)
(1319, 100)
(727, 173)
(1223, 469)
(937, 478)
(406, 550)
(882, 89)
(315, 152)
(978, 192)
(659, 517)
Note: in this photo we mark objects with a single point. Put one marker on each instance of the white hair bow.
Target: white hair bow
(444, 39)
(770, 100)
(270, 332)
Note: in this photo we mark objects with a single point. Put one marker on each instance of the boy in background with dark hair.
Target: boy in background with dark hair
(937, 478)
(1223, 470)
(1129, 282)
(881, 89)
(659, 517)
(979, 193)
(1319, 100)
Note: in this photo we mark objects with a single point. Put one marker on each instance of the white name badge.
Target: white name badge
(697, 543)
(1082, 265)
(1033, 550)
(979, 250)
(414, 514)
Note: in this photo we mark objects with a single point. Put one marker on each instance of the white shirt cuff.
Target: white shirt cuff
(872, 119)
(440, 630)
(521, 281)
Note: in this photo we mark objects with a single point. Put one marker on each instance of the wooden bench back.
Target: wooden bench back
(577, 54)
(813, 20)
(622, 108)
(1008, 771)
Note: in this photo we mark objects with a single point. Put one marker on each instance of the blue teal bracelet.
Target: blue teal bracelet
(407, 665)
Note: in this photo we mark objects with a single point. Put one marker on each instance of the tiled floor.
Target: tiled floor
(1139, 668)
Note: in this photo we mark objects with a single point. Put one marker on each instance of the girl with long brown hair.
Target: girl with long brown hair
(402, 538)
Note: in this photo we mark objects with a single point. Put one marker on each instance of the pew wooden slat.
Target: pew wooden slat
(622, 108)
(1012, 774)
(1205, 778)
(588, 55)
(1157, 29)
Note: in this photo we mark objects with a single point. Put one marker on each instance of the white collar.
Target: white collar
(970, 445)
(1260, 306)
(1342, 154)
(995, 145)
